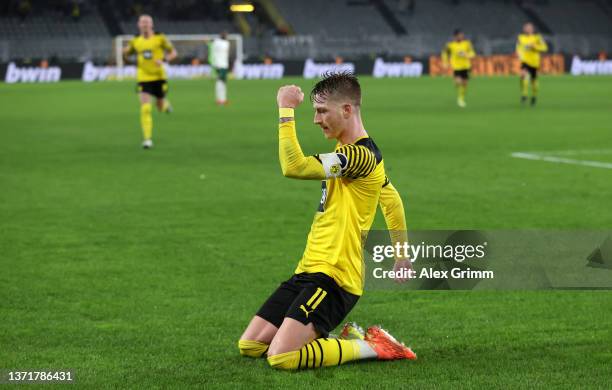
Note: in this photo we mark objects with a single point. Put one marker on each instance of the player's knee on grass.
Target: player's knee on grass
(321, 352)
(252, 348)
(283, 361)
(277, 349)
(292, 336)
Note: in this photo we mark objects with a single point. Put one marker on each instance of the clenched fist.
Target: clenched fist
(289, 96)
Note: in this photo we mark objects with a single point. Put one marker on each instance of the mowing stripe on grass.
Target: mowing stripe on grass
(575, 152)
(562, 160)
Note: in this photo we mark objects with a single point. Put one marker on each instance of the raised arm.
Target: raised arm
(347, 161)
(292, 160)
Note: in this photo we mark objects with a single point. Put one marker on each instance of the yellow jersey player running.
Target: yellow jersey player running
(151, 49)
(293, 325)
(529, 47)
(459, 52)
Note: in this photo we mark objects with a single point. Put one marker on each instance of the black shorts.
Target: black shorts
(221, 74)
(157, 88)
(309, 298)
(462, 74)
(533, 72)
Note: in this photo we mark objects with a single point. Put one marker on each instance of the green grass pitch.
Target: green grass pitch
(140, 269)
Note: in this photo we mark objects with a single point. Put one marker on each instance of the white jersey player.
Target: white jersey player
(219, 59)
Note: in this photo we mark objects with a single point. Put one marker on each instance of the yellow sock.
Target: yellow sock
(252, 348)
(146, 120)
(461, 91)
(319, 353)
(524, 86)
(535, 86)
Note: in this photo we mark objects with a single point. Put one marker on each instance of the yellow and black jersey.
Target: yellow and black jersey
(149, 51)
(529, 48)
(353, 161)
(349, 200)
(353, 177)
(459, 54)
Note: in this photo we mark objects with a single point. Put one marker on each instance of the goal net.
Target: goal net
(192, 59)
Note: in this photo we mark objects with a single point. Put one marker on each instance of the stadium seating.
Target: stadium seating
(475, 17)
(587, 17)
(49, 33)
(323, 29)
(176, 17)
(51, 26)
(491, 24)
(182, 27)
(334, 18)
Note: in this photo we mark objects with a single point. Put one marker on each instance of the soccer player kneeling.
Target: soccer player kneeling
(292, 327)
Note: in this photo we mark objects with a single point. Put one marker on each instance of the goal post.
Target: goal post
(188, 47)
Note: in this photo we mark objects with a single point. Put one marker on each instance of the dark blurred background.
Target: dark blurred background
(83, 30)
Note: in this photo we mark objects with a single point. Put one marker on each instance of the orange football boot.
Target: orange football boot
(386, 346)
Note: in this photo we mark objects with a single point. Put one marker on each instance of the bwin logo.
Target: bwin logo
(15, 74)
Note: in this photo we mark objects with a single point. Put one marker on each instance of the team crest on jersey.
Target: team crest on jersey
(333, 163)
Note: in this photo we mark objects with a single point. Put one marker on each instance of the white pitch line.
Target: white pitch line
(562, 160)
(573, 152)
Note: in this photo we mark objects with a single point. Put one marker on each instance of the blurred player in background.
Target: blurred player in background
(459, 52)
(292, 327)
(529, 47)
(218, 58)
(151, 49)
